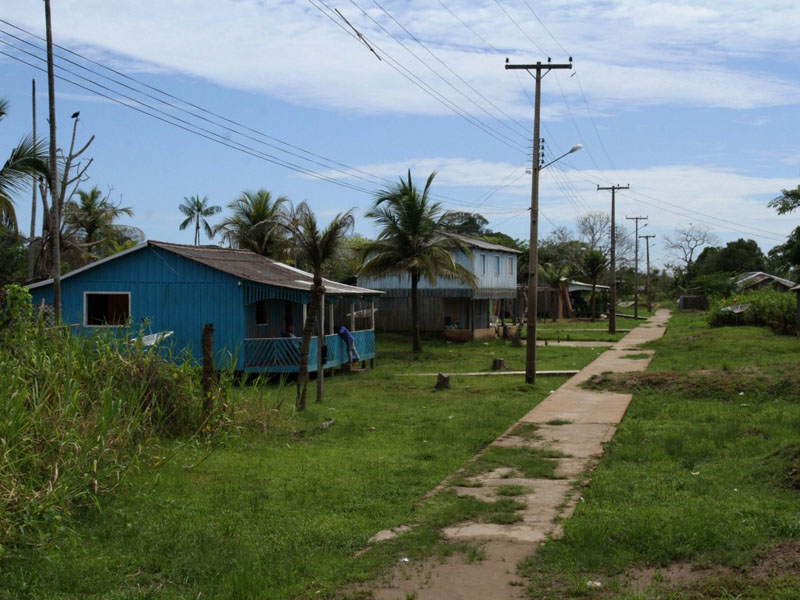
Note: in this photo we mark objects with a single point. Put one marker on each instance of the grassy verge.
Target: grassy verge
(700, 484)
(283, 507)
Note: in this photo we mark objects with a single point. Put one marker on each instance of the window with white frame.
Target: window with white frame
(106, 308)
(483, 264)
(497, 265)
(510, 266)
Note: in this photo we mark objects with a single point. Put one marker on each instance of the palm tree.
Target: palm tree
(554, 275)
(316, 248)
(411, 241)
(92, 217)
(256, 223)
(593, 265)
(26, 159)
(195, 209)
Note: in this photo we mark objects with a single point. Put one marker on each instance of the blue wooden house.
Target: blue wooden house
(451, 305)
(252, 301)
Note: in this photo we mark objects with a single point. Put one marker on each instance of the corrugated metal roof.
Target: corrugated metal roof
(755, 277)
(476, 243)
(259, 269)
(243, 264)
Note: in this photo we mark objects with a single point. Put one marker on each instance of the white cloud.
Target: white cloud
(629, 53)
(731, 202)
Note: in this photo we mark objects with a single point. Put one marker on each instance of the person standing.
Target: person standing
(347, 338)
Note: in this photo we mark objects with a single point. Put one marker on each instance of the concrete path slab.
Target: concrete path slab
(588, 421)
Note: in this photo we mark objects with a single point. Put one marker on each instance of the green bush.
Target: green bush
(74, 412)
(768, 307)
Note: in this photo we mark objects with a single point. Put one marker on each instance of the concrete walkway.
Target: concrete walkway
(589, 420)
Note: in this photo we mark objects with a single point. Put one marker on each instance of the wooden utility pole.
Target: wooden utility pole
(646, 239)
(538, 71)
(636, 266)
(55, 213)
(612, 300)
(33, 186)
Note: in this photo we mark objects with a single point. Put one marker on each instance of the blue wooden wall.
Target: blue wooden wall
(495, 276)
(172, 292)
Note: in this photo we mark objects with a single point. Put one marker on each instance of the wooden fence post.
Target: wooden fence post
(208, 368)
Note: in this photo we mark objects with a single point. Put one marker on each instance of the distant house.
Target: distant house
(758, 279)
(449, 304)
(252, 301)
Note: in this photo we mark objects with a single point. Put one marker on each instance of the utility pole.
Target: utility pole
(612, 309)
(33, 186)
(538, 71)
(646, 239)
(636, 266)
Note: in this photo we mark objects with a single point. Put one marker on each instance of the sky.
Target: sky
(693, 104)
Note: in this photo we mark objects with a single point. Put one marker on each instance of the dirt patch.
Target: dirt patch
(780, 560)
(775, 381)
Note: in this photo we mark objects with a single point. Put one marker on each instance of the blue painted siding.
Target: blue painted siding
(490, 278)
(172, 292)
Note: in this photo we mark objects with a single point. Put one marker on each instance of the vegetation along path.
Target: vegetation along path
(552, 447)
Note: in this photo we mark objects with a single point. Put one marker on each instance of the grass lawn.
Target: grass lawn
(699, 489)
(284, 502)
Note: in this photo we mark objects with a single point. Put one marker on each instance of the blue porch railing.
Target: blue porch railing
(282, 355)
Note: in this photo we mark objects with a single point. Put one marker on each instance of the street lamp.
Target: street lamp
(533, 260)
(575, 148)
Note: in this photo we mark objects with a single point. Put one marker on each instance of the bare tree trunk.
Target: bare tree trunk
(417, 343)
(305, 346)
(31, 256)
(55, 216)
(593, 290)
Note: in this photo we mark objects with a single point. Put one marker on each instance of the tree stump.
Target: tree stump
(499, 364)
(442, 382)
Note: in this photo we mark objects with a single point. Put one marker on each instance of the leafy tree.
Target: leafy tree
(736, 257)
(90, 219)
(464, 223)
(343, 266)
(784, 259)
(317, 248)
(555, 276)
(257, 224)
(593, 265)
(788, 201)
(411, 242)
(197, 210)
(12, 258)
(26, 159)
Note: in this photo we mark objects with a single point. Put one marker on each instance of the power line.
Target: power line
(212, 136)
(446, 66)
(169, 95)
(689, 213)
(508, 141)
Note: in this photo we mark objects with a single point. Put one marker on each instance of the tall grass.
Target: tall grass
(770, 308)
(74, 413)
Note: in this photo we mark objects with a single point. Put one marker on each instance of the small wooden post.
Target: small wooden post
(499, 364)
(330, 319)
(208, 368)
(372, 315)
(320, 348)
(442, 382)
(352, 316)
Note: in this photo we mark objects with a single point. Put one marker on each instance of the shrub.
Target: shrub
(768, 307)
(74, 411)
